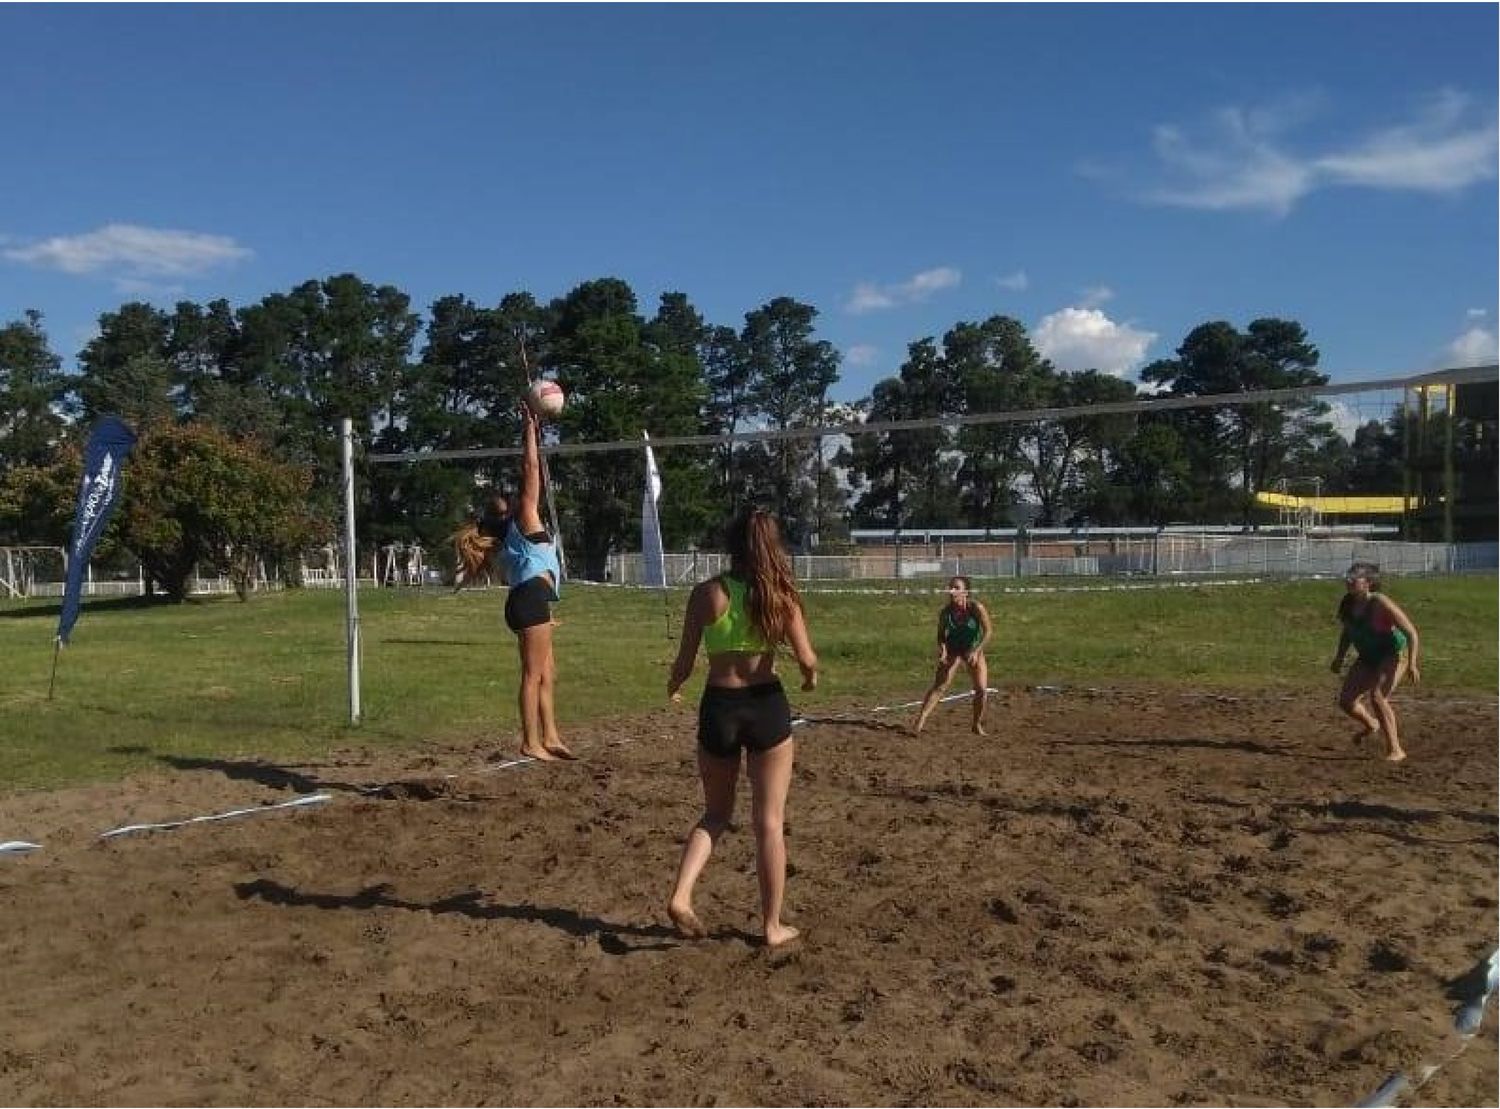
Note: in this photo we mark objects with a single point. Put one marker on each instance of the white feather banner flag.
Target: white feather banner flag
(653, 560)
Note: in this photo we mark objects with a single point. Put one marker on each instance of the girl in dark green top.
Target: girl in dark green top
(1387, 648)
(962, 631)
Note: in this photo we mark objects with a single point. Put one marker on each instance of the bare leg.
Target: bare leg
(770, 777)
(719, 777)
(940, 681)
(1360, 681)
(546, 714)
(979, 674)
(1387, 677)
(535, 645)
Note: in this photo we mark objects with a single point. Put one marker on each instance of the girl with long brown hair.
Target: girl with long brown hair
(741, 618)
(512, 532)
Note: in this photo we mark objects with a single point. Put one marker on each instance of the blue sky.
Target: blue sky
(1111, 175)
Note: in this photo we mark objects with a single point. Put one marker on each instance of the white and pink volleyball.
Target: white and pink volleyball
(545, 398)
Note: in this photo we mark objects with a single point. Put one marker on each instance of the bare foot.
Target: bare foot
(781, 935)
(1395, 756)
(686, 921)
(541, 754)
(559, 750)
(979, 730)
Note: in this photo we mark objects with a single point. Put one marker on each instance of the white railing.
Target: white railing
(1164, 555)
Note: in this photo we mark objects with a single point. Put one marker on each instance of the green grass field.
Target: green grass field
(224, 679)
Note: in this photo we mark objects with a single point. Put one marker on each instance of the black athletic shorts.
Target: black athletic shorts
(528, 604)
(756, 718)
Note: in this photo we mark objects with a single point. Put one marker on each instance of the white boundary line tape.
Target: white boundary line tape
(1466, 1023)
(311, 799)
(839, 717)
(18, 847)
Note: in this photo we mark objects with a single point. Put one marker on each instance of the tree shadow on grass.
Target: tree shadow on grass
(471, 904)
(237, 719)
(438, 642)
(109, 604)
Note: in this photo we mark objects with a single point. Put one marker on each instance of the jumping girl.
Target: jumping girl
(534, 573)
(963, 628)
(741, 617)
(1387, 648)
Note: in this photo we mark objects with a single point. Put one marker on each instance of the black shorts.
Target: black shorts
(755, 718)
(528, 604)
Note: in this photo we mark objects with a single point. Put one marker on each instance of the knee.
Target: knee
(769, 825)
(715, 824)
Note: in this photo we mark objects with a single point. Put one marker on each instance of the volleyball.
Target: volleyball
(545, 398)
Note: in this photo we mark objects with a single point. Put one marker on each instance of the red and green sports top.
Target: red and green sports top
(1372, 630)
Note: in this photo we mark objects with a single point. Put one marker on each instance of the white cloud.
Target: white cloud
(1086, 339)
(1243, 162)
(1014, 282)
(1096, 295)
(861, 354)
(1345, 418)
(1477, 313)
(1475, 347)
(132, 255)
(1436, 153)
(870, 297)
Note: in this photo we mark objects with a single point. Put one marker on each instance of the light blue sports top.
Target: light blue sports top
(525, 560)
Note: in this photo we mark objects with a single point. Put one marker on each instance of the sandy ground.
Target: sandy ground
(1118, 898)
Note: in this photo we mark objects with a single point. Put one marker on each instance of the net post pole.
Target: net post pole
(351, 569)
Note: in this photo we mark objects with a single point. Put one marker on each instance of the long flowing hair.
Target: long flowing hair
(756, 554)
(476, 542)
(472, 551)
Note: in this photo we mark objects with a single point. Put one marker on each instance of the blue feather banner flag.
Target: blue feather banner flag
(98, 492)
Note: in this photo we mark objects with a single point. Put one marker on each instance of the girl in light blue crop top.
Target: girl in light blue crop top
(534, 575)
(527, 556)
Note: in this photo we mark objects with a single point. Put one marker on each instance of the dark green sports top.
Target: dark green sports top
(960, 633)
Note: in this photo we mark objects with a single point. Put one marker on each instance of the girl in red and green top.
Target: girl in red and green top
(963, 629)
(1387, 648)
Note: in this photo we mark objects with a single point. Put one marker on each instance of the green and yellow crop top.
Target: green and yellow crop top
(733, 631)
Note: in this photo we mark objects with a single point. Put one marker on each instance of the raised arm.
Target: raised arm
(528, 500)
